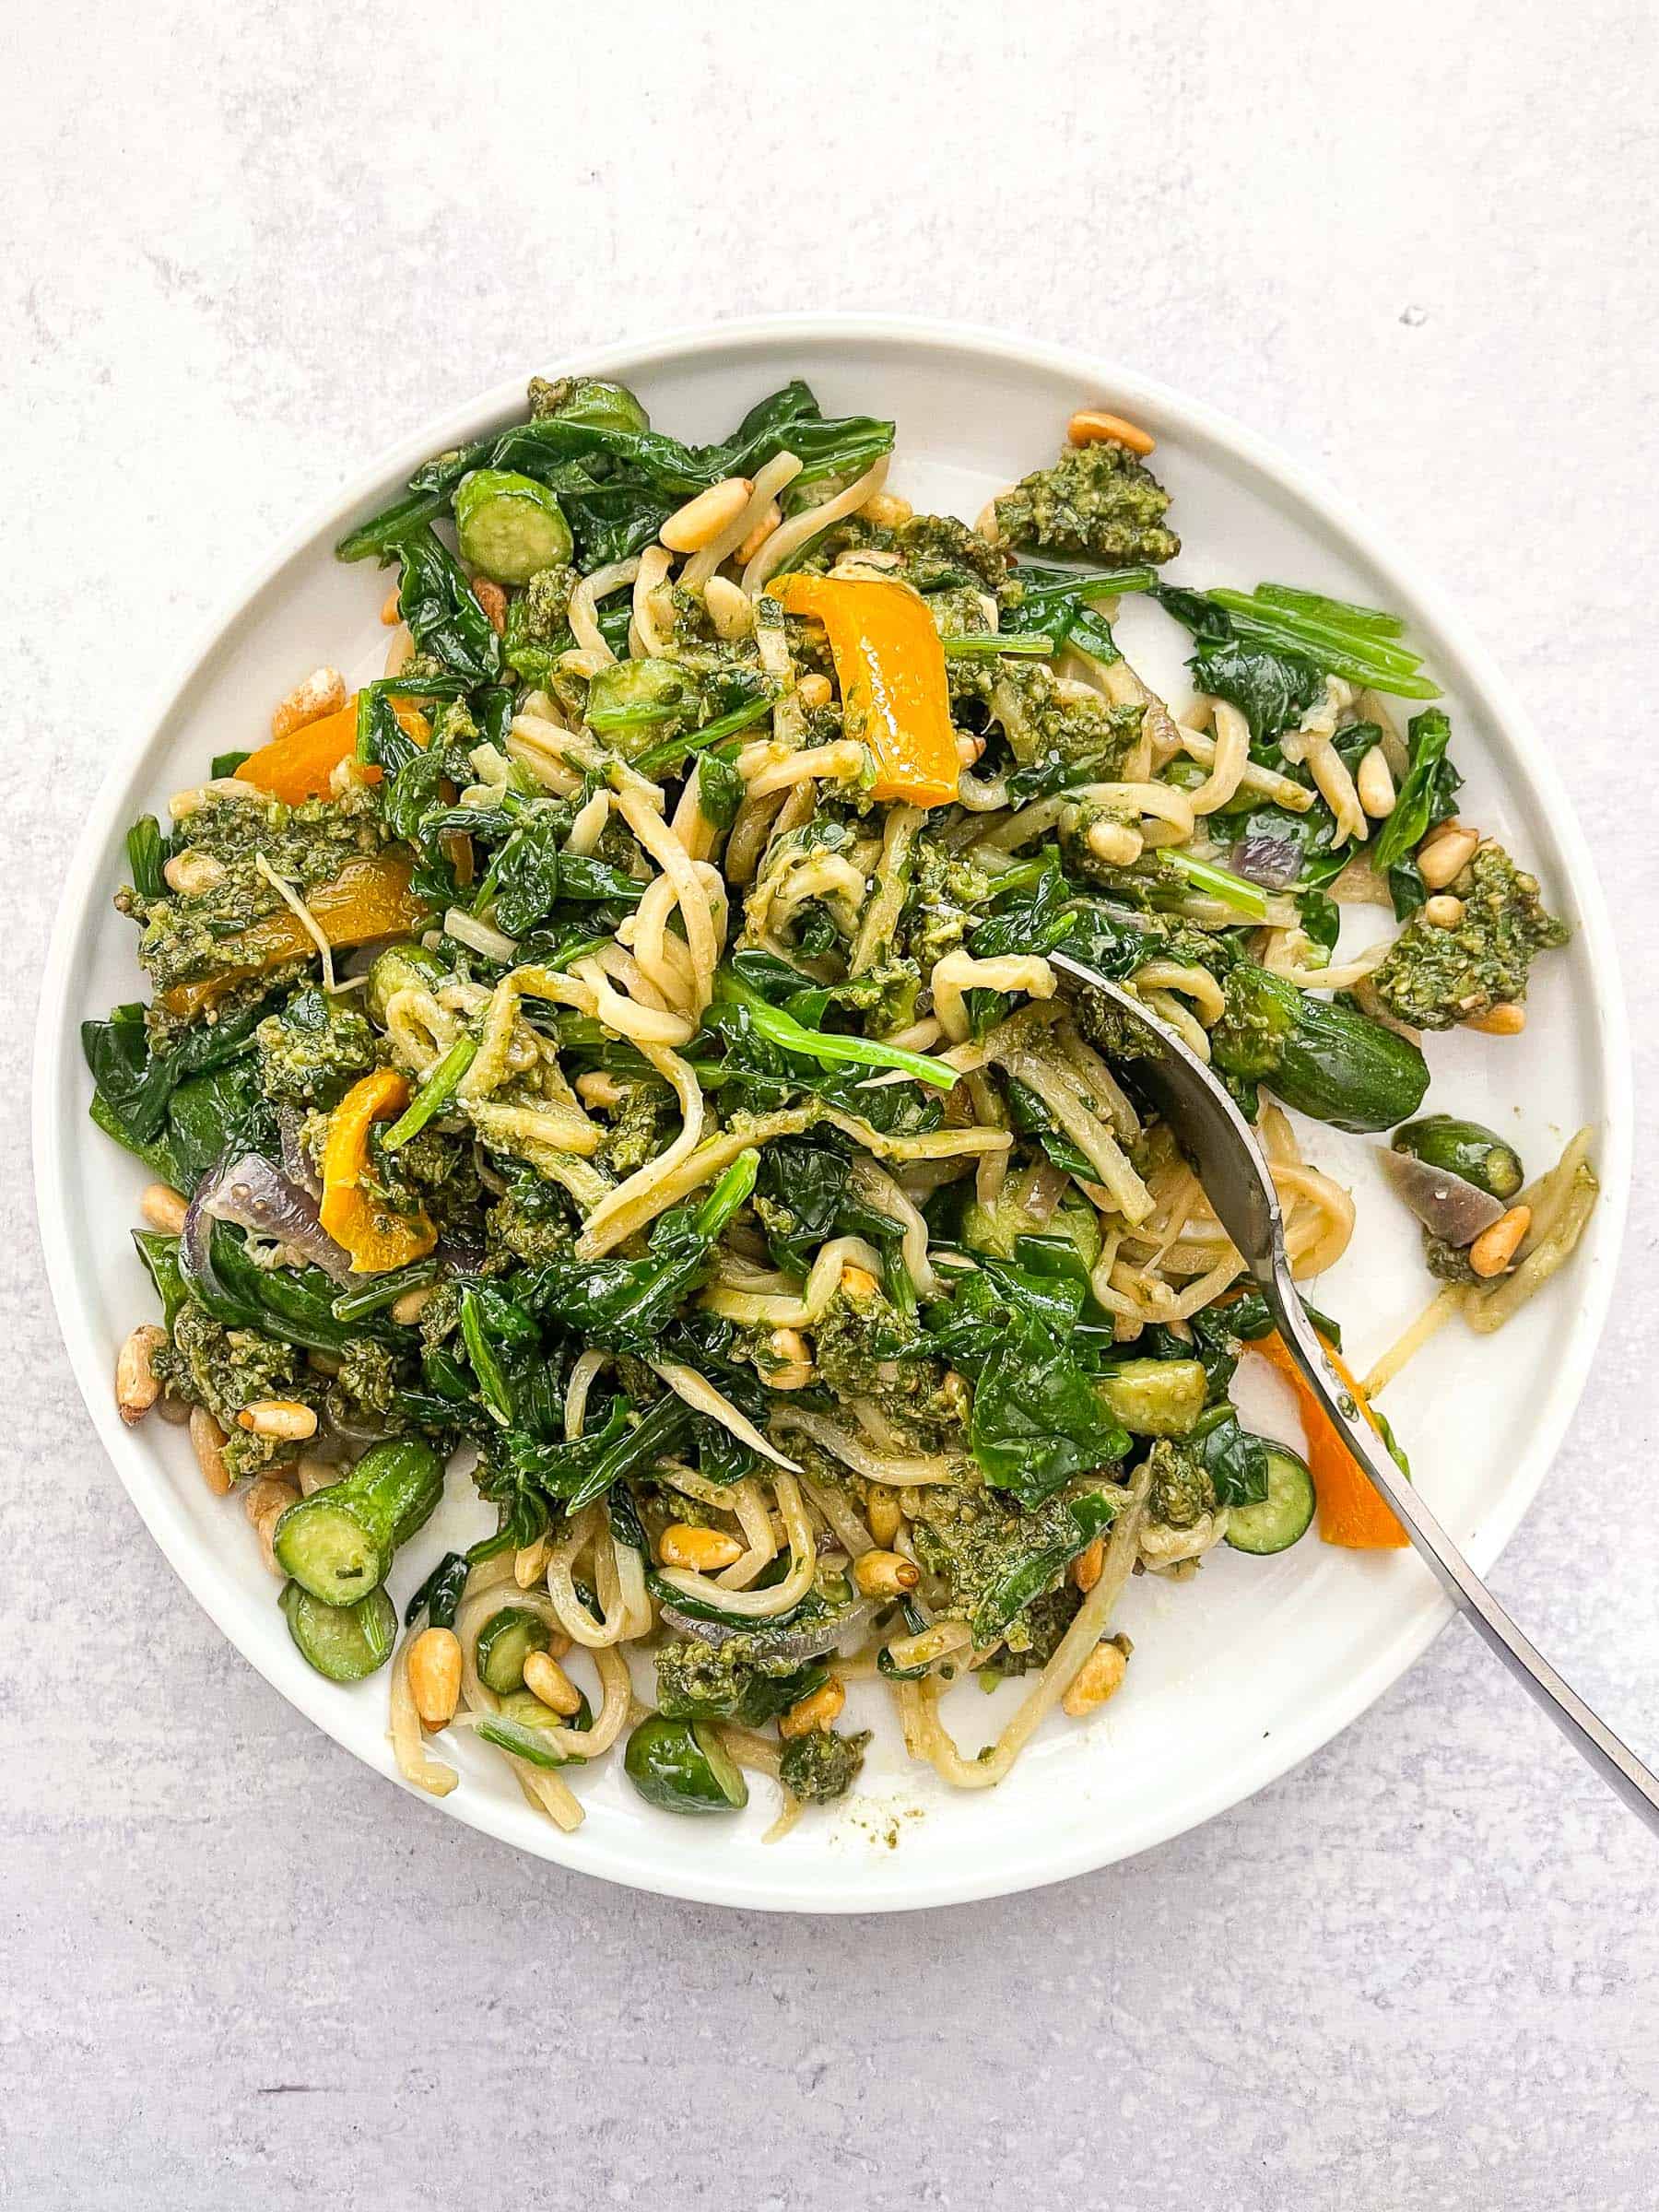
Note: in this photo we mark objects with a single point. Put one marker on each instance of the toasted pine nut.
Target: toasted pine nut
(175, 1412)
(986, 524)
(267, 1498)
(1086, 1568)
(730, 609)
(284, 1420)
(398, 650)
(884, 1573)
(689, 528)
(814, 691)
(857, 1282)
(759, 533)
(1090, 426)
(190, 874)
(407, 1309)
(598, 1088)
(1494, 1249)
(435, 1676)
(1115, 843)
(884, 1514)
(820, 1709)
(162, 1207)
(1442, 911)
(1504, 1020)
(391, 612)
(184, 803)
(1099, 1677)
(887, 509)
(208, 1438)
(493, 600)
(1444, 853)
(530, 1564)
(545, 1679)
(317, 1474)
(969, 747)
(1376, 784)
(136, 1387)
(790, 1349)
(704, 1550)
(322, 693)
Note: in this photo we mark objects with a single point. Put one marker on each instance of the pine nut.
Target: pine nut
(186, 802)
(208, 1438)
(190, 874)
(986, 525)
(857, 1282)
(1494, 1249)
(317, 1474)
(759, 533)
(175, 1412)
(730, 609)
(1375, 784)
(1099, 1677)
(163, 1208)
(399, 649)
(1442, 911)
(701, 520)
(814, 691)
(884, 1514)
(1090, 426)
(887, 509)
(283, 1421)
(136, 1387)
(493, 600)
(969, 747)
(598, 1088)
(530, 1564)
(435, 1676)
(1444, 853)
(1504, 1019)
(407, 1309)
(322, 693)
(820, 1709)
(794, 1357)
(266, 1501)
(391, 612)
(1115, 843)
(1086, 1568)
(704, 1550)
(545, 1678)
(884, 1573)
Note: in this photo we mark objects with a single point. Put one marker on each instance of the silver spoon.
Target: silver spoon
(1222, 1147)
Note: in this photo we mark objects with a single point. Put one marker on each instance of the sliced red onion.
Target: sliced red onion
(790, 1646)
(1273, 861)
(1446, 1205)
(297, 1163)
(246, 1191)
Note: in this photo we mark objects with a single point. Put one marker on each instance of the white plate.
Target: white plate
(1236, 1675)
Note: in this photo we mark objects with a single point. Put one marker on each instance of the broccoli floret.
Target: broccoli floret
(1435, 978)
(313, 1051)
(823, 1765)
(1096, 499)
(695, 1682)
(1181, 1490)
(224, 1370)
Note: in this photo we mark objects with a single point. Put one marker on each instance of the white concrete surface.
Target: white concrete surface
(247, 244)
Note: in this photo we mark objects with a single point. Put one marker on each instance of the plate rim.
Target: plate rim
(921, 1886)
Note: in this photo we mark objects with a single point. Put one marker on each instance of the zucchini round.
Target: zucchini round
(509, 527)
(1275, 1522)
(505, 1641)
(344, 1643)
(1465, 1148)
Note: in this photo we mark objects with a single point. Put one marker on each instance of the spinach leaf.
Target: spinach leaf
(1028, 1576)
(147, 851)
(135, 1083)
(526, 872)
(1428, 795)
(1271, 689)
(436, 601)
(221, 1109)
(799, 1195)
(1235, 1460)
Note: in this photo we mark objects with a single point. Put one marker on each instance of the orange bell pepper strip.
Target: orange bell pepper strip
(369, 898)
(1350, 1510)
(300, 766)
(377, 1239)
(891, 666)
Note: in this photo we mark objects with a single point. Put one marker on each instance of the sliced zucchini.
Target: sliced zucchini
(344, 1642)
(1156, 1397)
(505, 1641)
(1275, 1522)
(509, 526)
(683, 1767)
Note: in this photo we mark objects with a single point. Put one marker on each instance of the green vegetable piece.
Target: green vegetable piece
(344, 1643)
(509, 527)
(1323, 1059)
(1029, 1575)
(591, 399)
(1465, 1148)
(440, 1595)
(634, 702)
(1276, 1521)
(339, 1542)
(505, 1641)
(683, 1767)
(821, 1766)
(521, 1726)
(402, 967)
(999, 1228)
(1156, 1397)
(435, 1093)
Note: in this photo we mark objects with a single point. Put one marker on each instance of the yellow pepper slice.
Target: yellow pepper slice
(300, 766)
(891, 666)
(376, 1239)
(369, 898)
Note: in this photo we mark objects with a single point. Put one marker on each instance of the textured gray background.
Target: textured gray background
(249, 244)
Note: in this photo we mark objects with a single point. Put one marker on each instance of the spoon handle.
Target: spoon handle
(1615, 1764)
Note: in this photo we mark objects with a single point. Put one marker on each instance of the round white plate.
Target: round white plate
(1257, 1662)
